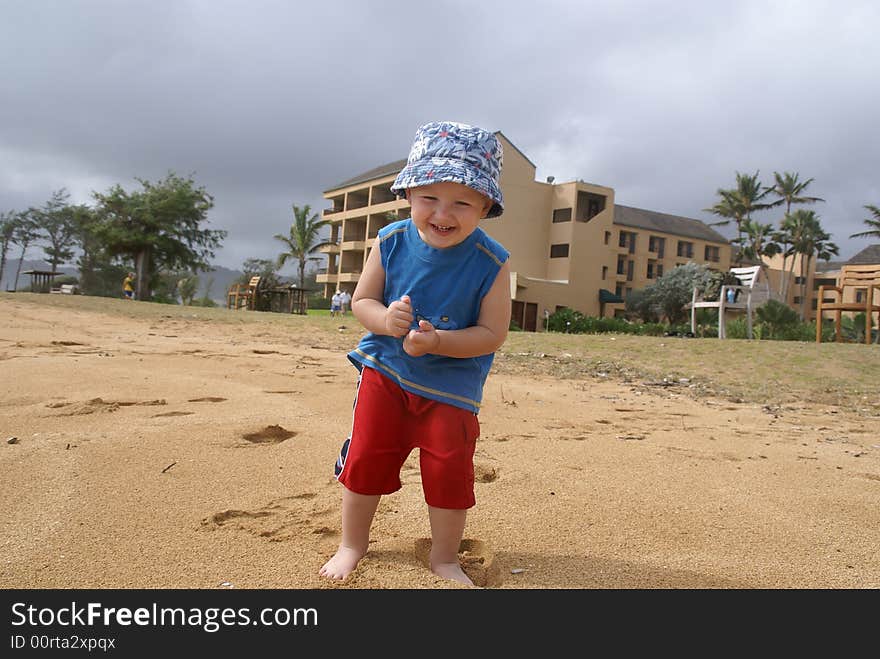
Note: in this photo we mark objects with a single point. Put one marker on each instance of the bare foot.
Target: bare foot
(451, 571)
(343, 563)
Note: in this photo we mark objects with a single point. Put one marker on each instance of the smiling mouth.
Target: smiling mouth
(442, 229)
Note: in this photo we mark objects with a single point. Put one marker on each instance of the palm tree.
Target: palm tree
(303, 239)
(760, 240)
(737, 204)
(790, 191)
(874, 232)
(808, 239)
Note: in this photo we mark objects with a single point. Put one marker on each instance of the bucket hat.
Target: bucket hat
(445, 151)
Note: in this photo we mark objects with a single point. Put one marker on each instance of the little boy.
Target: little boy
(434, 296)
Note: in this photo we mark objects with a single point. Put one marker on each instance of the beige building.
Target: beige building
(818, 273)
(570, 244)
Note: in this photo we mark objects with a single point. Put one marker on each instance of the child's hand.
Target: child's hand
(398, 317)
(421, 341)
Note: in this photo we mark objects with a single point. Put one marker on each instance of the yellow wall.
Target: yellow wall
(527, 230)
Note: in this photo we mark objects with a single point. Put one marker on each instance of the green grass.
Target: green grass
(769, 372)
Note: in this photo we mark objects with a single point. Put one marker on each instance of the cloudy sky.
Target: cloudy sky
(269, 103)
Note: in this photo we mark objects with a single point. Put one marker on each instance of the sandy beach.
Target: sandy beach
(174, 450)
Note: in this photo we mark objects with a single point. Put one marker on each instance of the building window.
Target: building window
(799, 280)
(712, 253)
(604, 272)
(685, 249)
(607, 237)
(627, 239)
(589, 205)
(630, 266)
(861, 295)
(559, 251)
(650, 273)
(659, 270)
(621, 264)
(627, 293)
(562, 215)
(618, 289)
(657, 245)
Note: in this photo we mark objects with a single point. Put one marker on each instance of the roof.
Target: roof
(829, 266)
(868, 256)
(661, 222)
(393, 168)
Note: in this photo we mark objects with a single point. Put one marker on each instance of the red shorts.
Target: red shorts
(389, 422)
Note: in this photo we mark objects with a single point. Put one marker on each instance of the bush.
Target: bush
(775, 319)
(317, 301)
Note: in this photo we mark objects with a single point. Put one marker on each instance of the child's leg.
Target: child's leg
(357, 516)
(447, 529)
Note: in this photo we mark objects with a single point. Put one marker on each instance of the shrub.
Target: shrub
(775, 319)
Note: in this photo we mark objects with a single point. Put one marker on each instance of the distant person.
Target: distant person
(434, 297)
(344, 301)
(128, 286)
(336, 304)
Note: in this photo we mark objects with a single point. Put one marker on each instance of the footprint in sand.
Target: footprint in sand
(207, 399)
(476, 558)
(269, 435)
(279, 520)
(100, 405)
(485, 473)
(173, 414)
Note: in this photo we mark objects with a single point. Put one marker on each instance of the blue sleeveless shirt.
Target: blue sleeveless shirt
(446, 287)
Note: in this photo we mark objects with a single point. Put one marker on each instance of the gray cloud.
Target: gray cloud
(270, 103)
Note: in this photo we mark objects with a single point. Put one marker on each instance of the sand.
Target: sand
(171, 452)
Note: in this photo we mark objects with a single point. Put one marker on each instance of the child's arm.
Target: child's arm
(481, 339)
(367, 303)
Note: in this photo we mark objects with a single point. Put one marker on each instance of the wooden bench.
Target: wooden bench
(65, 289)
(753, 291)
(858, 289)
(243, 296)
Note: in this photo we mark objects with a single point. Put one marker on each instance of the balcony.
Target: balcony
(326, 278)
(354, 245)
(329, 249)
(352, 276)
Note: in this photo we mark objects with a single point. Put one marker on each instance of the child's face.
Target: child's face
(446, 213)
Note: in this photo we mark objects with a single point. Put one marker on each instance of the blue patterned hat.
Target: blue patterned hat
(447, 151)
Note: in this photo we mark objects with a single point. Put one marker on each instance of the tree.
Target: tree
(56, 220)
(670, 293)
(7, 233)
(759, 240)
(24, 233)
(265, 269)
(874, 232)
(790, 191)
(187, 287)
(158, 227)
(739, 203)
(808, 240)
(303, 239)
